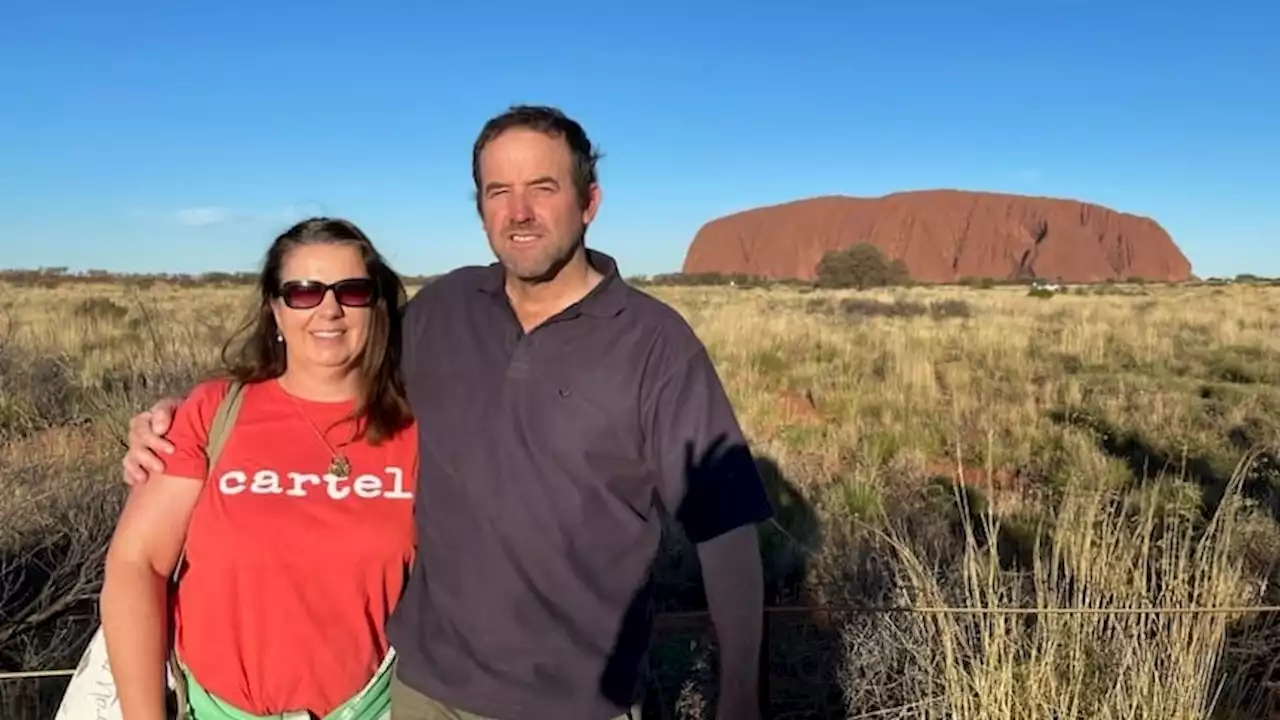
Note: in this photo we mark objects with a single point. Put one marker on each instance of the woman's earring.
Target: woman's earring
(279, 337)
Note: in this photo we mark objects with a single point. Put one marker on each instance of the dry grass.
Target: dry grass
(1099, 438)
(1070, 665)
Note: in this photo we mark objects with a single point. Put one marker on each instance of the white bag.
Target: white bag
(91, 694)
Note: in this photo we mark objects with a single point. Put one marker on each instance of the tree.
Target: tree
(860, 266)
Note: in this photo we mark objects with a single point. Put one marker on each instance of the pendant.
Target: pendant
(339, 467)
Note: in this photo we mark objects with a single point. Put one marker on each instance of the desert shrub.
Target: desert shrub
(953, 308)
(36, 392)
(1243, 364)
(855, 308)
(100, 308)
(56, 515)
(55, 522)
(711, 279)
(860, 266)
(982, 283)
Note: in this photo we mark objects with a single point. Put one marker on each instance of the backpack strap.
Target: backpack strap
(223, 420)
(219, 430)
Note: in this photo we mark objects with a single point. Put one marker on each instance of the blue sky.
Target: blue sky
(160, 136)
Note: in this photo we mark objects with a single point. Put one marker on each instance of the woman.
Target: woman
(298, 545)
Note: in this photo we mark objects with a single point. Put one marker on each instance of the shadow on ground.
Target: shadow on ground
(1146, 462)
(802, 650)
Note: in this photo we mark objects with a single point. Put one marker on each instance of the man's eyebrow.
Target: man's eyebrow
(543, 180)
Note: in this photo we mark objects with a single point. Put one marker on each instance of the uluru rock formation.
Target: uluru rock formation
(943, 236)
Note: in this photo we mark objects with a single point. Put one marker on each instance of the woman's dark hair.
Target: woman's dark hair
(253, 354)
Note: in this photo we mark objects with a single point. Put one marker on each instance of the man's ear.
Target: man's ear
(594, 197)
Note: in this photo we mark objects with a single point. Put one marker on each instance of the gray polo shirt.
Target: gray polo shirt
(546, 460)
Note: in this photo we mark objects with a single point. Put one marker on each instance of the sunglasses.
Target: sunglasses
(306, 294)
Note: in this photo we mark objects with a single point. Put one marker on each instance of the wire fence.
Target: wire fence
(863, 610)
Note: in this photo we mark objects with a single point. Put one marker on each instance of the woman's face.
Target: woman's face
(328, 334)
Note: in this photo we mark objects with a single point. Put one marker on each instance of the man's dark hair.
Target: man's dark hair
(549, 121)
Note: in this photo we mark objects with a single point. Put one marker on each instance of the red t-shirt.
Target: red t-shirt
(290, 575)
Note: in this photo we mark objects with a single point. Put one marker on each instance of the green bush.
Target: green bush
(860, 266)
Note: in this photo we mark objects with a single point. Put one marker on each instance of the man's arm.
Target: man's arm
(710, 481)
(734, 582)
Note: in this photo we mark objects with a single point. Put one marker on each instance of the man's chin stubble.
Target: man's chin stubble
(548, 271)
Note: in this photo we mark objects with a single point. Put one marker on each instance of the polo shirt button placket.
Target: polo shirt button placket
(520, 362)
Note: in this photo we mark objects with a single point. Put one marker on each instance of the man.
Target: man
(561, 412)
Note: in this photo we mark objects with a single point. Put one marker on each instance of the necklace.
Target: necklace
(339, 466)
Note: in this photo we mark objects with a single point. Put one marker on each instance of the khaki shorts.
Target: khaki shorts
(409, 704)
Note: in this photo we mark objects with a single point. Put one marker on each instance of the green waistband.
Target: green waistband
(373, 702)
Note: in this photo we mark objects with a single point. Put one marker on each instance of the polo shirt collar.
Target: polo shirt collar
(606, 299)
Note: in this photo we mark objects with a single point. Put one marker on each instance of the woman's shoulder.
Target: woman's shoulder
(193, 419)
(205, 397)
(209, 391)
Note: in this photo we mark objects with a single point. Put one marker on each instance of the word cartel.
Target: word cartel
(269, 482)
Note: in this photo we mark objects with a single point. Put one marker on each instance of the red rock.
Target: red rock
(944, 236)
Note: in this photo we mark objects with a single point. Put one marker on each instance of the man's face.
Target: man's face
(529, 204)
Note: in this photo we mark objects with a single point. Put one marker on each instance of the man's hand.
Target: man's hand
(146, 441)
